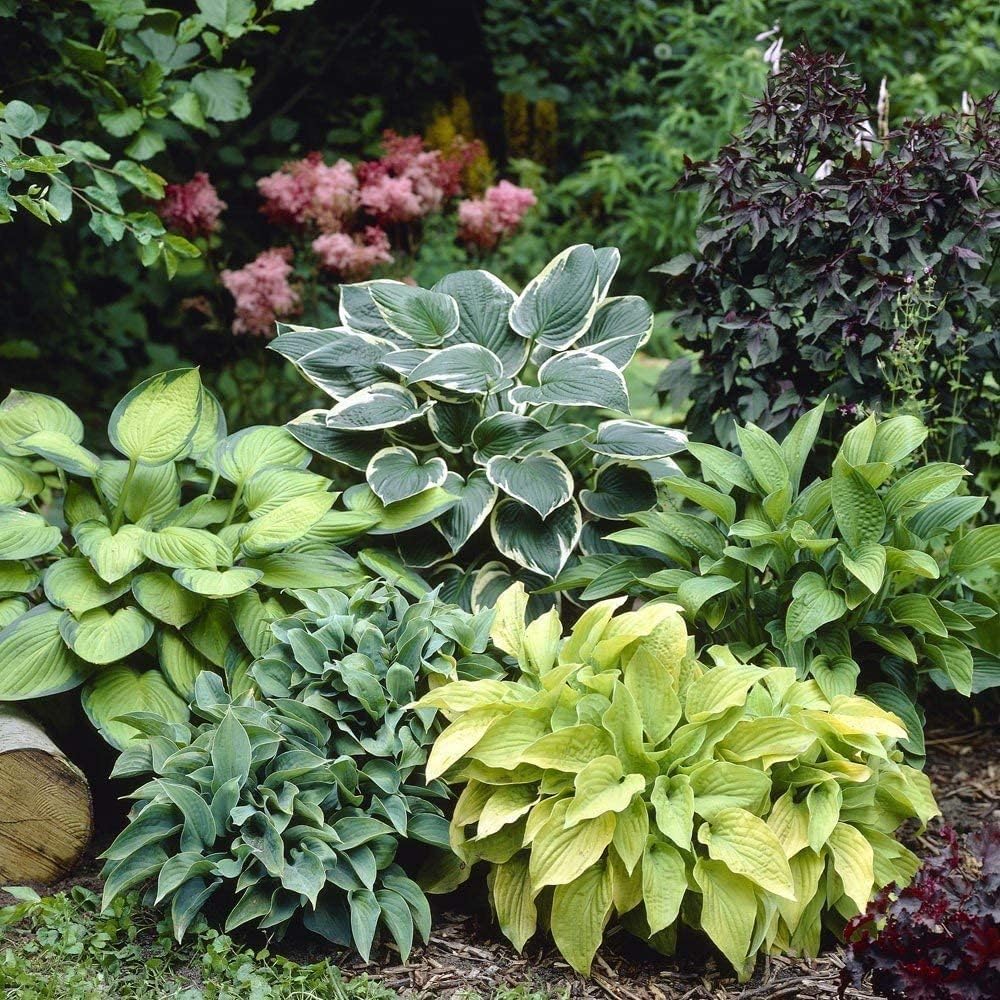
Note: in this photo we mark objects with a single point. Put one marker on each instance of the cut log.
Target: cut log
(46, 816)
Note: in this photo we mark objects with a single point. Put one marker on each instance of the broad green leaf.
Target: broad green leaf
(718, 785)
(866, 564)
(723, 466)
(541, 545)
(280, 527)
(72, 584)
(570, 749)
(378, 407)
(165, 599)
(719, 689)
(249, 450)
(896, 438)
(218, 584)
(813, 605)
(24, 413)
(576, 378)
(402, 515)
(980, 547)
(308, 570)
(18, 578)
(112, 555)
(945, 515)
(24, 535)
(231, 752)
(211, 430)
(664, 883)
(857, 508)
(719, 504)
(179, 663)
(34, 659)
(621, 325)
(153, 492)
(602, 787)
(763, 455)
(560, 855)
(635, 439)
(799, 441)
(269, 488)
(513, 900)
(155, 422)
(464, 368)
(693, 594)
(580, 910)
(558, 305)
(853, 861)
(542, 481)
(62, 451)
(121, 690)
(856, 447)
(917, 611)
(747, 847)
(100, 636)
(823, 803)
(835, 675)
(925, 485)
(185, 548)
(425, 317)
(728, 911)
(396, 473)
(954, 658)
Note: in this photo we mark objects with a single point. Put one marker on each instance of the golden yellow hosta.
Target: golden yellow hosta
(617, 777)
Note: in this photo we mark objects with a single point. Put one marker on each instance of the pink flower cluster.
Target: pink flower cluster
(485, 221)
(353, 257)
(308, 191)
(192, 208)
(262, 292)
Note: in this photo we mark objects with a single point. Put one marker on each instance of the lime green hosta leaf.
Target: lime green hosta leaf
(112, 555)
(154, 492)
(718, 785)
(789, 821)
(570, 749)
(396, 473)
(631, 833)
(475, 499)
(866, 564)
(218, 584)
(672, 799)
(823, 802)
(854, 861)
(602, 786)
(179, 662)
(896, 438)
(185, 548)
(542, 481)
(11, 608)
(728, 911)
(24, 413)
(280, 527)
(18, 578)
(155, 422)
(747, 847)
(813, 605)
(18, 483)
(24, 535)
(539, 544)
(62, 451)
(269, 488)
(101, 637)
(249, 450)
(34, 659)
(770, 740)
(468, 369)
(718, 690)
(980, 547)
(165, 599)
(404, 514)
(652, 686)
(763, 455)
(560, 855)
(458, 739)
(835, 675)
(576, 378)
(308, 570)
(427, 318)
(918, 611)
(513, 900)
(122, 690)
(664, 883)
(211, 429)
(74, 585)
(857, 508)
(580, 910)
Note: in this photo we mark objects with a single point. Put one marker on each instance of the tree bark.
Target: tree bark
(46, 816)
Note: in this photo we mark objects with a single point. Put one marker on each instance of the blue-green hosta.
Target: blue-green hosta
(460, 411)
(129, 576)
(868, 573)
(297, 805)
(617, 777)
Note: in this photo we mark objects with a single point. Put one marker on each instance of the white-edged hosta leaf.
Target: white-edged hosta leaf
(166, 600)
(154, 491)
(620, 327)
(294, 342)
(426, 317)
(269, 488)
(541, 545)
(155, 422)
(476, 497)
(112, 555)
(453, 424)
(396, 473)
(348, 362)
(23, 413)
(350, 448)
(608, 261)
(180, 548)
(283, 525)
(100, 636)
(504, 434)
(62, 451)
(122, 690)
(542, 481)
(468, 369)
(576, 378)
(358, 312)
(34, 660)
(619, 490)
(558, 305)
(378, 407)
(403, 361)
(249, 450)
(484, 303)
(24, 535)
(636, 439)
(218, 584)
(74, 585)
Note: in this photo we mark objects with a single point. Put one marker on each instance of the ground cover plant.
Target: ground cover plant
(616, 776)
(468, 402)
(127, 577)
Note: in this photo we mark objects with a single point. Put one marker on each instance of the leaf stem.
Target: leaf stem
(116, 521)
(237, 496)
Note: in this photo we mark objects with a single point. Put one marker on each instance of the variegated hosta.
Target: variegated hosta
(458, 411)
(619, 777)
(158, 565)
(869, 574)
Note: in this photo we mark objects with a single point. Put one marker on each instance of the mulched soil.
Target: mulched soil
(467, 953)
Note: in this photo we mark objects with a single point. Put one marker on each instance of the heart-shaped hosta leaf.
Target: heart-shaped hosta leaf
(576, 378)
(255, 448)
(182, 548)
(155, 490)
(866, 564)
(557, 306)
(270, 488)
(74, 585)
(542, 545)
(396, 473)
(346, 364)
(452, 424)
(379, 406)
(24, 535)
(155, 422)
(426, 317)
(24, 413)
(350, 448)
(635, 439)
(100, 636)
(285, 524)
(62, 451)
(34, 659)
(484, 303)
(123, 690)
(308, 570)
(504, 434)
(218, 584)
(112, 555)
(468, 369)
(813, 605)
(18, 483)
(619, 328)
(166, 600)
(619, 490)
(541, 481)
(476, 496)
(358, 312)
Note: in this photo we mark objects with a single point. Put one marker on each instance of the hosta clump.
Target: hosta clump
(129, 576)
(464, 405)
(864, 571)
(618, 777)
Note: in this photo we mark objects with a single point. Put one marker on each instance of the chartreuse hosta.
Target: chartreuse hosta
(869, 572)
(158, 564)
(618, 777)
(300, 805)
(465, 407)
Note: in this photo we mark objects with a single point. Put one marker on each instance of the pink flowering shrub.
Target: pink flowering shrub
(262, 292)
(353, 257)
(485, 221)
(192, 209)
(308, 191)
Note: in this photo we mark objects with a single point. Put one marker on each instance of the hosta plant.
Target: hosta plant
(462, 410)
(130, 575)
(862, 574)
(617, 777)
(295, 805)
